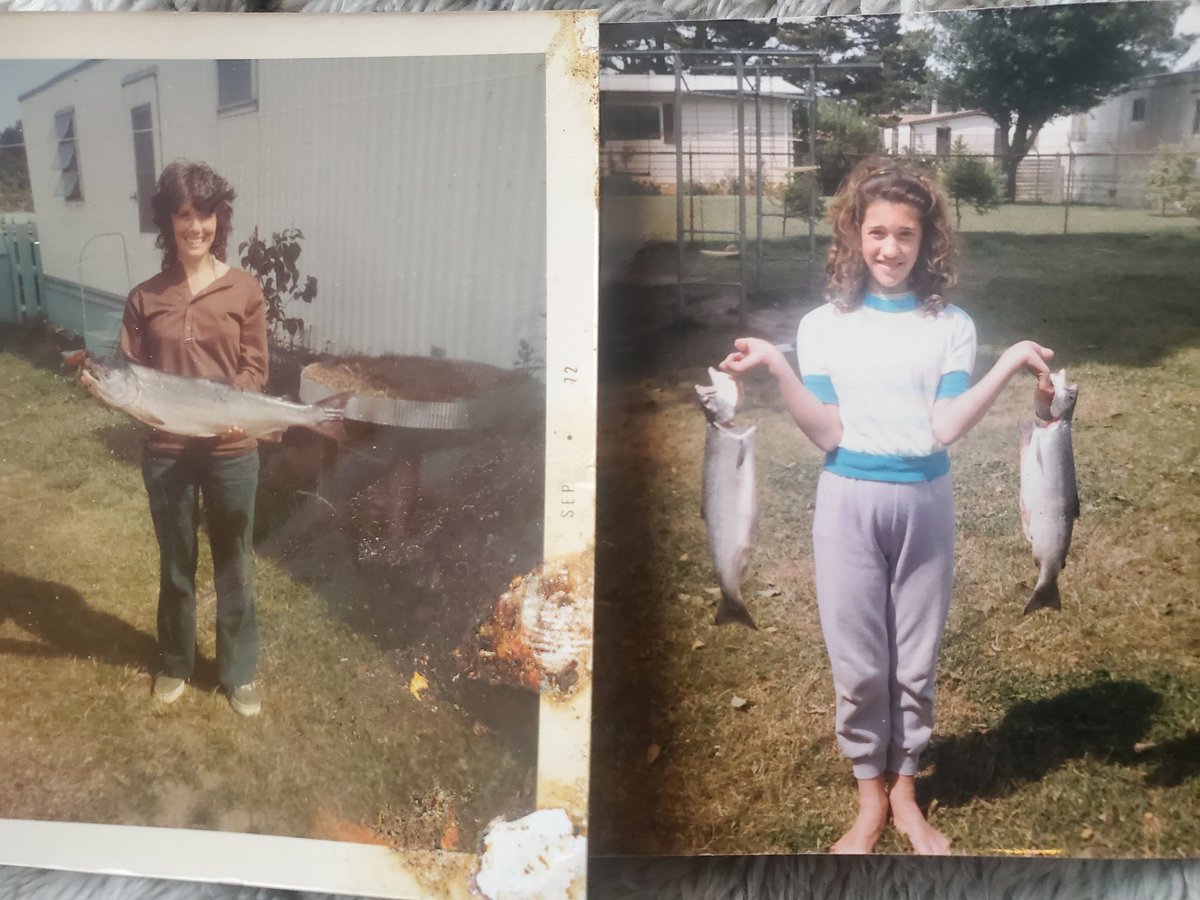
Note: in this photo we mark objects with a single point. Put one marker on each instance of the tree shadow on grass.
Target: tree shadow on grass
(1175, 761)
(1072, 293)
(61, 623)
(1106, 719)
(632, 689)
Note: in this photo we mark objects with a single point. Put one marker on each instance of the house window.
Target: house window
(143, 165)
(1139, 110)
(237, 85)
(668, 123)
(623, 122)
(943, 142)
(66, 162)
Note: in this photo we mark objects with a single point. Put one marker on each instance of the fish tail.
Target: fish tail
(1045, 596)
(732, 609)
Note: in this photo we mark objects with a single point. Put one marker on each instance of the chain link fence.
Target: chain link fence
(1056, 193)
(784, 249)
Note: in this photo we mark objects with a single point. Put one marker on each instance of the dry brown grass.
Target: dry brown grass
(341, 749)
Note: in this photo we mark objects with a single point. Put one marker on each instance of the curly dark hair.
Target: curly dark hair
(209, 193)
(894, 181)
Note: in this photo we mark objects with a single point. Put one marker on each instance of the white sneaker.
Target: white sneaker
(167, 688)
(244, 700)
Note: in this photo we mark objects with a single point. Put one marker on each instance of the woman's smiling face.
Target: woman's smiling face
(891, 243)
(194, 233)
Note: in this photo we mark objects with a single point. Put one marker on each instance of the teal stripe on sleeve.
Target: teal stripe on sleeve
(953, 384)
(821, 387)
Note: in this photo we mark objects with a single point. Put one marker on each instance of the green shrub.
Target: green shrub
(1171, 178)
(970, 180)
(275, 266)
(844, 136)
(802, 199)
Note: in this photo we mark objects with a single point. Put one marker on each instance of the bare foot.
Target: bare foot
(910, 821)
(872, 818)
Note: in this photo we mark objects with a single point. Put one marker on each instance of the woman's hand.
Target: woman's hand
(231, 434)
(91, 385)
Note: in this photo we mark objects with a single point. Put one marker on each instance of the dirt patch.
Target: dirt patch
(416, 378)
(410, 537)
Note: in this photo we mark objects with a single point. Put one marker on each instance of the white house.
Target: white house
(934, 133)
(418, 184)
(1117, 139)
(1041, 176)
(637, 127)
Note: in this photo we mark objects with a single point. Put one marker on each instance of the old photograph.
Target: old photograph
(298, 366)
(847, 263)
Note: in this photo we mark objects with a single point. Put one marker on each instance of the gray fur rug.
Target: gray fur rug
(746, 878)
(610, 10)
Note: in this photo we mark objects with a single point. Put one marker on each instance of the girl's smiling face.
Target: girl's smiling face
(194, 233)
(891, 243)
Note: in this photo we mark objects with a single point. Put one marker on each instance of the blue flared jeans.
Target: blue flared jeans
(225, 487)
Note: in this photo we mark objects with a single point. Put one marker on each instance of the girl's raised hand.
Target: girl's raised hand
(750, 353)
(1031, 355)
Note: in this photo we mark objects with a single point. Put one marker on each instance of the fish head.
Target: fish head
(1065, 395)
(720, 400)
(116, 385)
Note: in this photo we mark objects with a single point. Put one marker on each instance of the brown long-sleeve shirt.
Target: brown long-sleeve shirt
(219, 334)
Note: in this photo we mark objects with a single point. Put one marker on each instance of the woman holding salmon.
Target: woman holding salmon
(884, 388)
(201, 318)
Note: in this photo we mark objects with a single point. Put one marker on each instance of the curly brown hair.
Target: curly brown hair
(894, 181)
(209, 193)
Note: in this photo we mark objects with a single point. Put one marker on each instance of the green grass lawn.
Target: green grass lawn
(1075, 732)
(630, 223)
(342, 750)
(649, 218)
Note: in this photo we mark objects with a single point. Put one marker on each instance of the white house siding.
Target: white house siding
(976, 130)
(709, 138)
(1121, 147)
(1042, 173)
(419, 185)
(1055, 136)
(105, 154)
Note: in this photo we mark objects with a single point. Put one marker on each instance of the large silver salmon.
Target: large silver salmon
(195, 407)
(1049, 494)
(727, 496)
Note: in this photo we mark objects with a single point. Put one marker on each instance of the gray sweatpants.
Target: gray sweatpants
(884, 558)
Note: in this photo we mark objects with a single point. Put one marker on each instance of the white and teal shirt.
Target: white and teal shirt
(884, 364)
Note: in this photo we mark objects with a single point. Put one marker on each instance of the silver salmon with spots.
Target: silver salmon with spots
(728, 502)
(196, 407)
(1049, 492)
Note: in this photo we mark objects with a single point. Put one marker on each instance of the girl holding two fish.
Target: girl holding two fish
(203, 319)
(883, 389)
